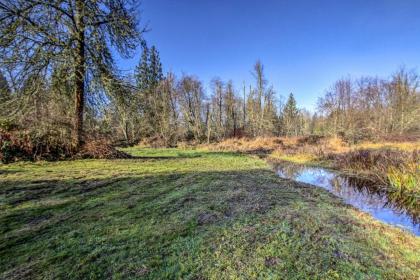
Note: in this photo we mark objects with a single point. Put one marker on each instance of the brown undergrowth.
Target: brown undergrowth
(26, 146)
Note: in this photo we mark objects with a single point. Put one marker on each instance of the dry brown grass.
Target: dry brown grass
(248, 145)
(315, 146)
(404, 145)
(280, 146)
(380, 158)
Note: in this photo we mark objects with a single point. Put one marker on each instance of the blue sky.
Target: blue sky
(305, 45)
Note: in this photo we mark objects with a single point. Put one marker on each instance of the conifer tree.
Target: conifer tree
(291, 117)
(142, 70)
(148, 76)
(155, 67)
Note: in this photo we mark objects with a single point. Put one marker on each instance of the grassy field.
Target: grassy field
(186, 214)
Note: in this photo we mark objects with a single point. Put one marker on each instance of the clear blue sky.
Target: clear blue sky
(305, 45)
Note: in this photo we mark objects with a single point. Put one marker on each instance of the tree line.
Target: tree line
(59, 85)
(369, 107)
(180, 110)
(167, 109)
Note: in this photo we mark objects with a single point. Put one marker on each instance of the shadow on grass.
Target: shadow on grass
(180, 155)
(146, 226)
(7, 172)
(166, 157)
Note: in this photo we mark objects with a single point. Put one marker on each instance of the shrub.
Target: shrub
(13, 148)
(32, 145)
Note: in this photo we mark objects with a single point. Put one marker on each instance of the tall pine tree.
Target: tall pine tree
(148, 76)
(155, 67)
(142, 70)
(290, 117)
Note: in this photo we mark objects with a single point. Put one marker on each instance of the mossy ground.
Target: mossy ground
(186, 214)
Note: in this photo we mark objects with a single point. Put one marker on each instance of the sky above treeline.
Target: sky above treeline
(305, 45)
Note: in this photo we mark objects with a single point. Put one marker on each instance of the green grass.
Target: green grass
(186, 214)
(163, 152)
(306, 159)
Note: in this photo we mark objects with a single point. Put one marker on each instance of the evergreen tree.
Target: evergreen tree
(148, 76)
(291, 121)
(155, 67)
(149, 70)
(142, 70)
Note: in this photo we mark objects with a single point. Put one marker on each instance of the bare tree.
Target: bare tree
(369, 107)
(191, 96)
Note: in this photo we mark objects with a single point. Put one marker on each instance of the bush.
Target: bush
(6, 152)
(13, 148)
(24, 145)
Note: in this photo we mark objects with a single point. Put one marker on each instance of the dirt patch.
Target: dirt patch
(206, 218)
(271, 261)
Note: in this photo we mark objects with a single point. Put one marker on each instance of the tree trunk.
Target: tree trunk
(79, 94)
(80, 71)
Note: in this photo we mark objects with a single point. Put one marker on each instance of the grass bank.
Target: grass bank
(186, 214)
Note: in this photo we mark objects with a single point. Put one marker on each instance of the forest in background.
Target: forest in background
(163, 110)
(61, 89)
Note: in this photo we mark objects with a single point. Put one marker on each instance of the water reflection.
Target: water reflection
(361, 193)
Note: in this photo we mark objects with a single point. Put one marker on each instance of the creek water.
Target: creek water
(353, 191)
